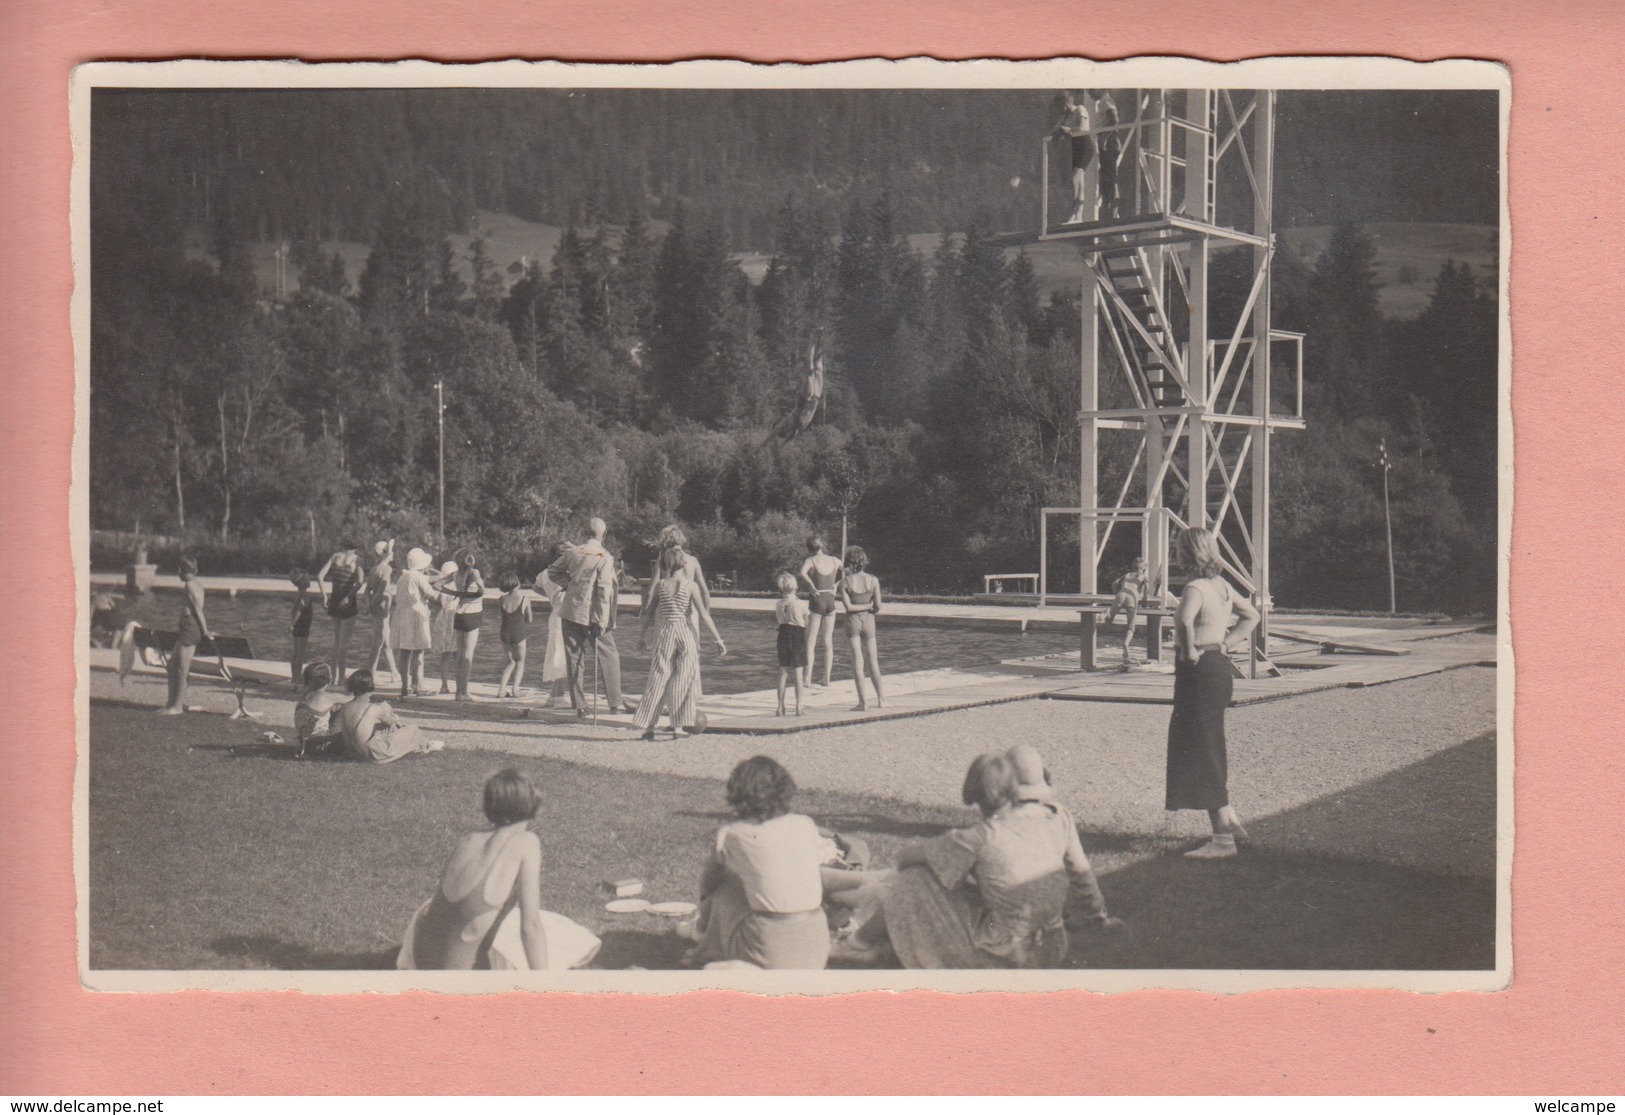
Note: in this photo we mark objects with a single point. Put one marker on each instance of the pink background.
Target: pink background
(1560, 1027)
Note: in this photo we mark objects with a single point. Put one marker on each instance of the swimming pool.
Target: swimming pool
(752, 662)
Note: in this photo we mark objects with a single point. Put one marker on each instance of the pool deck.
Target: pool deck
(1405, 648)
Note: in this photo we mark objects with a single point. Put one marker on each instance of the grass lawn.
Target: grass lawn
(209, 849)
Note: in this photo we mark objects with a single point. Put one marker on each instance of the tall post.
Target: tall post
(1197, 369)
(1388, 522)
(1088, 459)
(440, 419)
(1264, 226)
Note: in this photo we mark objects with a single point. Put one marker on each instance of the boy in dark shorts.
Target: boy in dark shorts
(791, 614)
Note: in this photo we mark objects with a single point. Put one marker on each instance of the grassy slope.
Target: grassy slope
(209, 850)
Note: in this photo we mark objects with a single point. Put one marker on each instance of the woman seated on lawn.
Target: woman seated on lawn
(372, 732)
(491, 880)
(988, 896)
(312, 716)
(762, 891)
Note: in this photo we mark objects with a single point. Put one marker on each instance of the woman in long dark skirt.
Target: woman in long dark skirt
(1205, 630)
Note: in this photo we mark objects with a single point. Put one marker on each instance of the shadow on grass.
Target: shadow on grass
(1263, 910)
(629, 948)
(273, 952)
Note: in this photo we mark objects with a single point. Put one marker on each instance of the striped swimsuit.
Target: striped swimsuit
(674, 670)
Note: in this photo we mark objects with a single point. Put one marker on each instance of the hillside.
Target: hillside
(1409, 255)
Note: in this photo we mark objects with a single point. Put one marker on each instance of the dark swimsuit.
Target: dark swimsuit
(188, 633)
(346, 584)
(514, 628)
(301, 619)
(823, 597)
(469, 621)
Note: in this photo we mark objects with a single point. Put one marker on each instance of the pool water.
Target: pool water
(752, 662)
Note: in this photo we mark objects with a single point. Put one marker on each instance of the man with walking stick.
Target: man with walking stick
(587, 615)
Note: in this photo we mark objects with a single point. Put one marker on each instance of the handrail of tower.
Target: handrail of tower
(1155, 143)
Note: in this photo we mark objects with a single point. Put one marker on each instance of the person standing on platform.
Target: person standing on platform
(1198, 774)
(343, 570)
(587, 614)
(1074, 123)
(822, 572)
(380, 594)
(192, 630)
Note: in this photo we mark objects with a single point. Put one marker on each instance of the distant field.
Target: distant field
(1408, 255)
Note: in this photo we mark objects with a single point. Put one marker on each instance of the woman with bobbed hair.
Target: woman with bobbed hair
(991, 895)
(1205, 631)
(312, 715)
(372, 731)
(762, 891)
(491, 880)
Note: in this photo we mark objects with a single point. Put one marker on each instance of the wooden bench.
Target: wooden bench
(1090, 615)
(217, 646)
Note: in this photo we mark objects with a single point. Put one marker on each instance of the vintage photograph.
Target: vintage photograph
(872, 525)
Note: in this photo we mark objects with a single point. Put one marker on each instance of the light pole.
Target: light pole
(1388, 521)
(440, 419)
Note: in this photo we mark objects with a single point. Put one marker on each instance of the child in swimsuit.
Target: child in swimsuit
(1130, 588)
(860, 592)
(299, 624)
(791, 614)
(515, 608)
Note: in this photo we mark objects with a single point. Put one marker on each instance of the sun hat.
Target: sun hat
(1032, 780)
(417, 559)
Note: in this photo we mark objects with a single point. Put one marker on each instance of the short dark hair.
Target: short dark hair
(856, 558)
(989, 783)
(510, 797)
(317, 670)
(360, 683)
(816, 543)
(188, 565)
(509, 581)
(759, 789)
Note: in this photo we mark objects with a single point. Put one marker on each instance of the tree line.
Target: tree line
(640, 377)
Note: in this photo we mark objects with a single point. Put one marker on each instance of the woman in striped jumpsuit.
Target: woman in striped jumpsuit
(674, 670)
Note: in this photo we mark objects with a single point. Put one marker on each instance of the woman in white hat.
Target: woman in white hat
(414, 588)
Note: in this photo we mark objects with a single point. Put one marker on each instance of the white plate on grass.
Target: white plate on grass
(673, 909)
(627, 905)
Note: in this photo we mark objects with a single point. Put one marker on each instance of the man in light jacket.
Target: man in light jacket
(587, 613)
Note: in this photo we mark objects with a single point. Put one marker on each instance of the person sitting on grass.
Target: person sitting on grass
(515, 610)
(313, 729)
(299, 624)
(491, 880)
(1131, 589)
(1086, 907)
(991, 895)
(762, 891)
(372, 732)
(791, 614)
